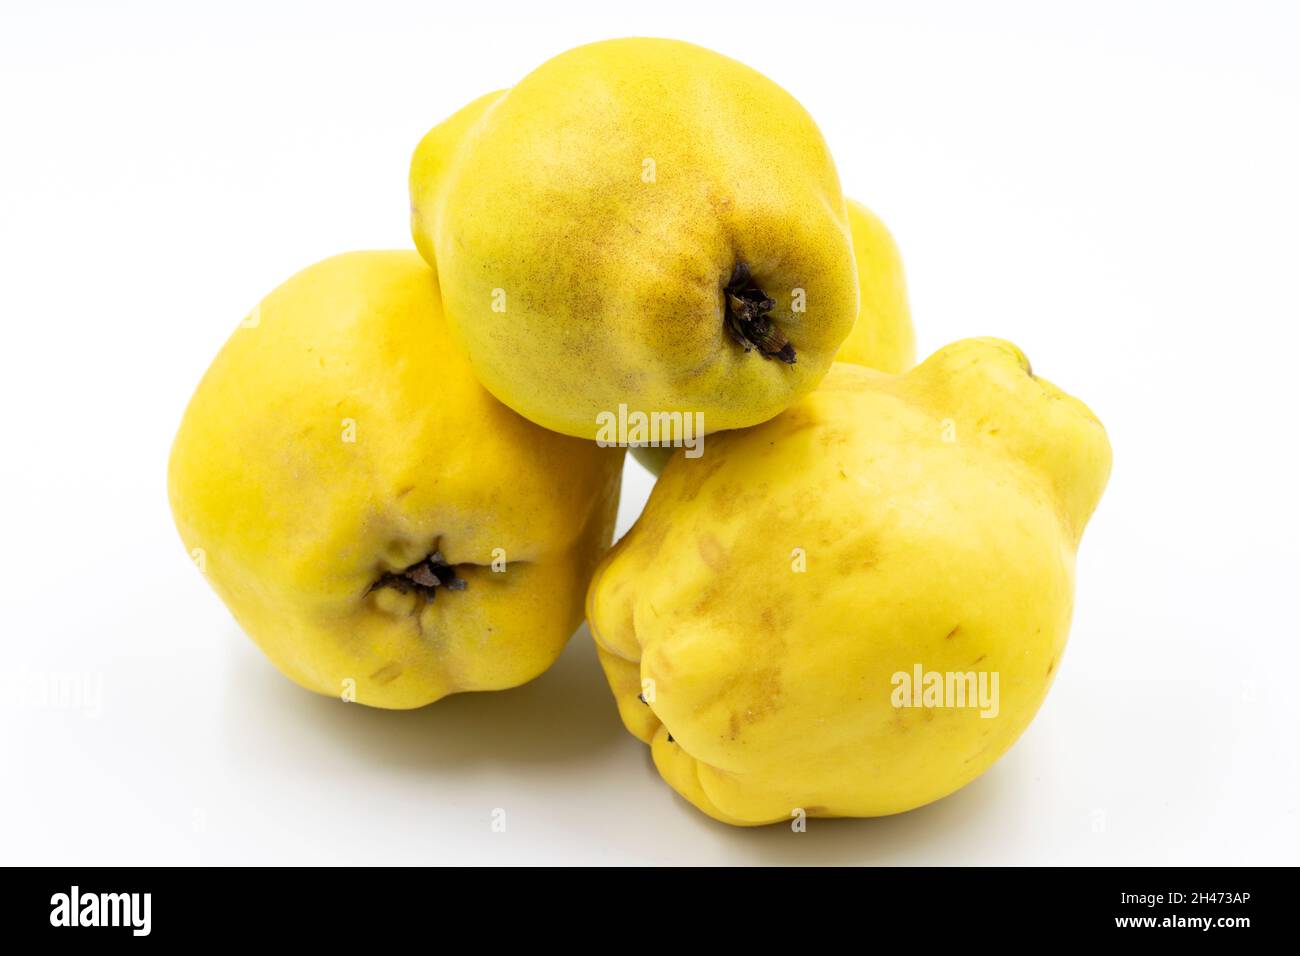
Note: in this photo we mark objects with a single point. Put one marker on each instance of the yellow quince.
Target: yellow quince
(882, 337)
(855, 608)
(384, 529)
(639, 223)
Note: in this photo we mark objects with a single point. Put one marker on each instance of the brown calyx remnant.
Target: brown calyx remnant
(424, 577)
(748, 321)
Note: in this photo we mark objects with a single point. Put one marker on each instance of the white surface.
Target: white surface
(1113, 187)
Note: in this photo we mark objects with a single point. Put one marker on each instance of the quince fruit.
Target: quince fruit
(381, 526)
(773, 623)
(638, 222)
(882, 337)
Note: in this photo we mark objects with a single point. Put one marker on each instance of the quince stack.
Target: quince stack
(389, 474)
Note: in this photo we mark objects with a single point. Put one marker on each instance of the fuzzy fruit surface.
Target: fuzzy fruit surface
(882, 337)
(345, 485)
(773, 588)
(588, 223)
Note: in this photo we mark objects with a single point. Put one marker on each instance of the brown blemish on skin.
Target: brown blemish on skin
(745, 696)
(853, 557)
(953, 633)
(711, 552)
(655, 534)
(727, 499)
(387, 674)
(695, 474)
(403, 492)
(707, 601)
(980, 658)
(766, 695)
(832, 437)
(1050, 668)
(776, 620)
(900, 723)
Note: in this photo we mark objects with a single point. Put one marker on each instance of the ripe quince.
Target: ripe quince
(638, 222)
(378, 523)
(772, 623)
(882, 337)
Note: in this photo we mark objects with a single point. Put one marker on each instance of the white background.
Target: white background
(1112, 186)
